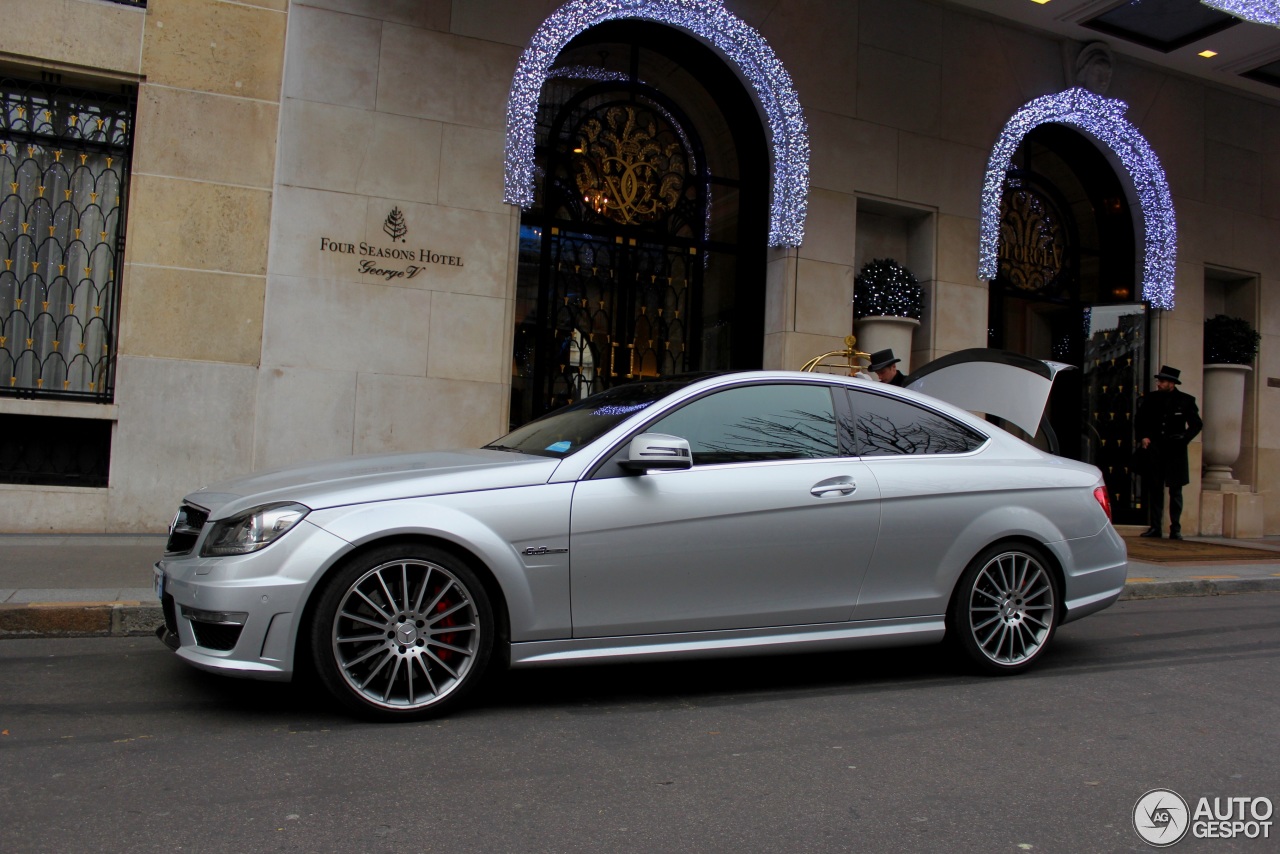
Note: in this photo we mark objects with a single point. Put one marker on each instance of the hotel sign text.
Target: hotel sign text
(393, 263)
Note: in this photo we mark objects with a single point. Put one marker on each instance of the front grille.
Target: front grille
(170, 614)
(219, 636)
(185, 529)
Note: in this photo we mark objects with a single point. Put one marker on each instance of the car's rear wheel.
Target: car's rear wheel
(1005, 609)
(402, 632)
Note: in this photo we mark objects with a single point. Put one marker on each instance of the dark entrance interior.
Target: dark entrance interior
(1066, 290)
(644, 251)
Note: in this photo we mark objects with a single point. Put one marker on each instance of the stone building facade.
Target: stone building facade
(319, 258)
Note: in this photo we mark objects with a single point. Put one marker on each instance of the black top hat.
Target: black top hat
(882, 359)
(1170, 374)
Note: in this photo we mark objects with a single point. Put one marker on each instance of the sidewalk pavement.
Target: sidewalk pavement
(76, 585)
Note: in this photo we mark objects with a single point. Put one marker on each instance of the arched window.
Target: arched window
(642, 253)
(712, 24)
(1102, 119)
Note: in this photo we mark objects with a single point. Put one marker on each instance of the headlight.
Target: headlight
(252, 530)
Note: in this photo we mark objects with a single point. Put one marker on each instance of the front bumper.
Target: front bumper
(240, 615)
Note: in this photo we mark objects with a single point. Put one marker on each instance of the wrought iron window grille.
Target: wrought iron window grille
(64, 174)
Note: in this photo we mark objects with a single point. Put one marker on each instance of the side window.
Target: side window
(754, 423)
(886, 426)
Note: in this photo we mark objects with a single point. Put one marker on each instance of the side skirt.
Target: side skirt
(766, 641)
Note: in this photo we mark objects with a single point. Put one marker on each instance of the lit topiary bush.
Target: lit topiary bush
(1229, 341)
(886, 288)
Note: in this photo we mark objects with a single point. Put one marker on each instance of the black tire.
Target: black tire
(402, 632)
(1004, 611)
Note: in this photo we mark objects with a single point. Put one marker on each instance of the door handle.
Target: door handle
(842, 485)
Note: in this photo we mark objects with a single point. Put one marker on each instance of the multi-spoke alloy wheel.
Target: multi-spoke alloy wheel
(1005, 609)
(402, 632)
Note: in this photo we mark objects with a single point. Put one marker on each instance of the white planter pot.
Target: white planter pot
(1223, 413)
(882, 332)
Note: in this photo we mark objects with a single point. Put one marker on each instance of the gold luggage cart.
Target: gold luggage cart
(853, 360)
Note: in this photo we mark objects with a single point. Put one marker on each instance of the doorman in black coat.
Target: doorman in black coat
(885, 366)
(1168, 420)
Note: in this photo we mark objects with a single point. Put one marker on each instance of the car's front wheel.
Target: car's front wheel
(1005, 609)
(402, 632)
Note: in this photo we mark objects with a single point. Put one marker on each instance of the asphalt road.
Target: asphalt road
(112, 744)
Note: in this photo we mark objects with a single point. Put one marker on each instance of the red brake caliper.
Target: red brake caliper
(441, 607)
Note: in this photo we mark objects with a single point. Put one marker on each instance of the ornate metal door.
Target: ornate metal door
(1040, 307)
(1114, 370)
(611, 267)
(619, 313)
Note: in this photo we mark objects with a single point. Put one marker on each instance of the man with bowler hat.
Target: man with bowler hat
(884, 366)
(1168, 420)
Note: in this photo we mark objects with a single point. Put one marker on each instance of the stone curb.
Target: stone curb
(79, 619)
(1199, 587)
(134, 619)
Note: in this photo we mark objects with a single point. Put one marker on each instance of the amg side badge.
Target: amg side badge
(535, 551)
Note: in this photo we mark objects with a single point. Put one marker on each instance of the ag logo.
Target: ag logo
(1161, 817)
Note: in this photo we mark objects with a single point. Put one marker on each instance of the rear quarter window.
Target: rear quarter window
(885, 426)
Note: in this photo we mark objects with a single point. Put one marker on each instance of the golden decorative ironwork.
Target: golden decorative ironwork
(1032, 241)
(622, 168)
(51, 339)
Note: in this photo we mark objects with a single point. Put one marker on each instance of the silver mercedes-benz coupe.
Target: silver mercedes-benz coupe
(746, 513)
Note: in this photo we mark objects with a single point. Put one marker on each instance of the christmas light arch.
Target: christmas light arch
(1103, 120)
(1258, 11)
(709, 21)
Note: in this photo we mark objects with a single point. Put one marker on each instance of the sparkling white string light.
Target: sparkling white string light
(587, 72)
(883, 287)
(709, 21)
(1258, 11)
(1103, 119)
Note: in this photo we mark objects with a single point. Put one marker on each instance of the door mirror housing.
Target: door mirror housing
(650, 451)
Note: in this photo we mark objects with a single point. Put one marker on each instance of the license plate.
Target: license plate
(159, 584)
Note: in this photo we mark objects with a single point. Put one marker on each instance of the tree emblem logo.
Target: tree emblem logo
(394, 225)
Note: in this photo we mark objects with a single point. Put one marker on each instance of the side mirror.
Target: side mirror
(657, 451)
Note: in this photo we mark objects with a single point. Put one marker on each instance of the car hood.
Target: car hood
(355, 480)
(994, 382)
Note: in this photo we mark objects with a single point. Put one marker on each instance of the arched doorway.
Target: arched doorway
(643, 251)
(1066, 289)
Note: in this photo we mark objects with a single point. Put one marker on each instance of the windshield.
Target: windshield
(564, 431)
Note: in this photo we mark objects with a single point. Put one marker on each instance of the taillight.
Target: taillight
(1100, 493)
